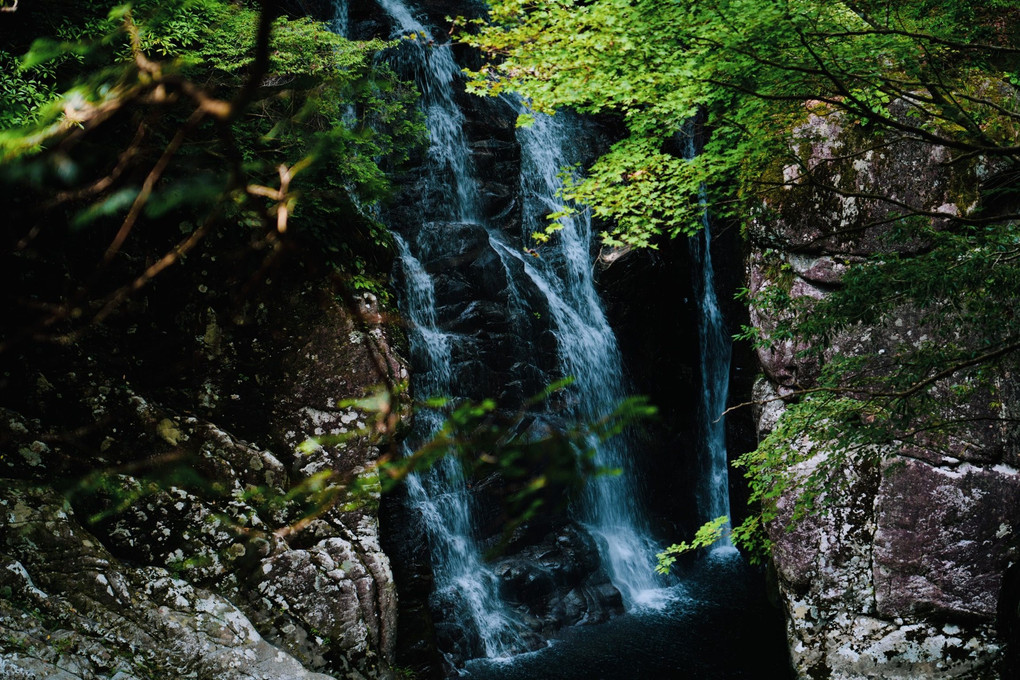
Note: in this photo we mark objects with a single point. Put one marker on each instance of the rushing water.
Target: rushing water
(713, 495)
(464, 586)
(611, 508)
(440, 495)
(453, 190)
(553, 283)
(340, 23)
(586, 348)
(714, 354)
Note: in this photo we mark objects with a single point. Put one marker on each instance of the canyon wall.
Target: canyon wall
(144, 471)
(909, 573)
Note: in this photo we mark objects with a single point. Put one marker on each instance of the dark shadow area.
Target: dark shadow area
(720, 627)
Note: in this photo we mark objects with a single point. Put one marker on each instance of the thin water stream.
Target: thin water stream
(464, 586)
(714, 358)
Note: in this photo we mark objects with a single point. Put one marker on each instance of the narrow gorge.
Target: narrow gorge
(298, 382)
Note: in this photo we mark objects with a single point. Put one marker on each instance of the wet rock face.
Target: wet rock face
(558, 582)
(473, 282)
(650, 304)
(550, 582)
(161, 552)
(906, 575)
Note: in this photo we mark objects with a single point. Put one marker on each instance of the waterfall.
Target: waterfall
(588, 352)
(464, 587)
(339, 23)
(714, 356)
(714, 350)
(440, 495)
(444, 234)
(452, 188)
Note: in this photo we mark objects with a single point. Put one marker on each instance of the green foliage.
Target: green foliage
(753, 68)
(751, 71)
(541, 473)
(404, 673)
(127, 122)
(707, 534)
(21, 93)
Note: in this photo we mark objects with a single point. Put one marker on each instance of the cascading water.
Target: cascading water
(560, 284)
(440, 495)
(714, 498)
(452, 189)
(447, 208)
(464, 586)
(339, 23)
(719, 605)
(714, 355)
(588, 352)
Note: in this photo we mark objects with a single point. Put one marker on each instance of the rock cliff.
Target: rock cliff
(151, 485)
(910, 572)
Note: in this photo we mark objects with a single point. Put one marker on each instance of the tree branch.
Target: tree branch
(891, 395)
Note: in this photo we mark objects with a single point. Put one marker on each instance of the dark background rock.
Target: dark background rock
(168, 429)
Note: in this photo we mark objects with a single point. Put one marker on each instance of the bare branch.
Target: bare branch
(921, 37)
(150, 182)
(863, 393)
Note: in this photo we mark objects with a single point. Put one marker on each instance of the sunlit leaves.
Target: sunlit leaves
(937, 71)
(753, 67)
(707, 535)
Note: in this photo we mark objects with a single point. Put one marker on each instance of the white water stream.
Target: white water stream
(611, 509)
(440, 495)
(715, 349)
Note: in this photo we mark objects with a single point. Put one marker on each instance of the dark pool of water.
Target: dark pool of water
(717, 626)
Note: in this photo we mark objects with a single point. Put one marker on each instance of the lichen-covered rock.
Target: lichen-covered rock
(70, 609)
(171, 548)
(905, 574)
(943, 537)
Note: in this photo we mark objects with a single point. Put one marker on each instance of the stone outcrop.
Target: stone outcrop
(156, 516)
(906, 575)
(557, 582)
(73, 610)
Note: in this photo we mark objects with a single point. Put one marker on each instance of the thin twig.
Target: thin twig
(876, 394)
